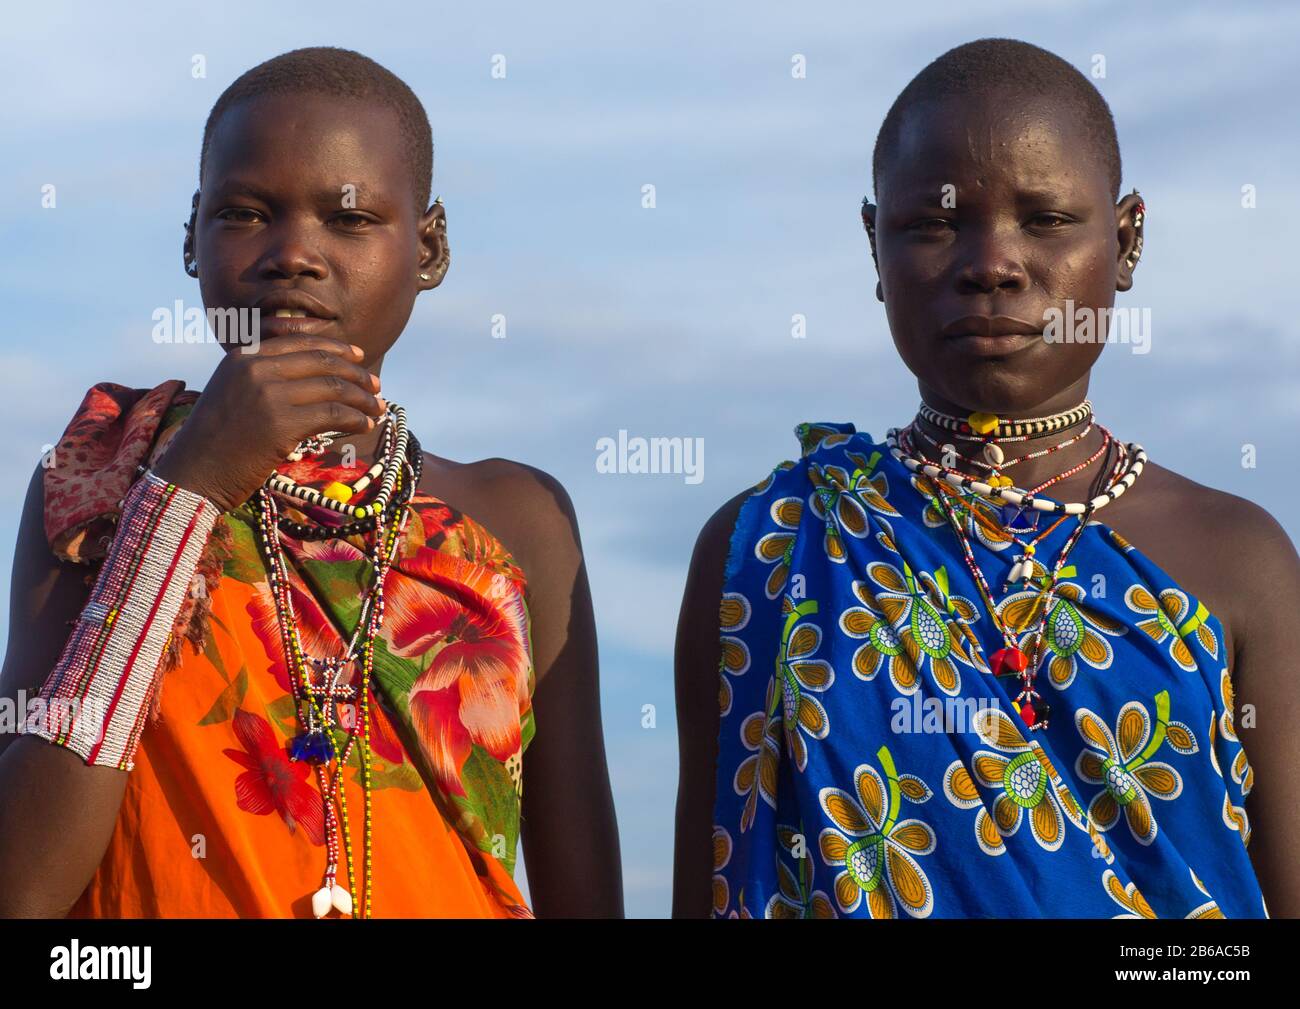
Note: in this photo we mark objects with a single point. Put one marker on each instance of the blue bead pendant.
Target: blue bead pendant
(1015, 521)
(313, 747)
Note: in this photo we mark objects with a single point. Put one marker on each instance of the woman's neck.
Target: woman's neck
(1032, 472)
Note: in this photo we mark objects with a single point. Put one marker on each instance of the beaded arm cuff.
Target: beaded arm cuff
(97, 698)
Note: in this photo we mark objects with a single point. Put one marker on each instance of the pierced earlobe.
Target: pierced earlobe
(870, 225)
(187, 256)
(1139, 219)
(425, 277)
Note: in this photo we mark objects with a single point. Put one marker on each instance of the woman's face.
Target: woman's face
(994, 209)
(311, 194)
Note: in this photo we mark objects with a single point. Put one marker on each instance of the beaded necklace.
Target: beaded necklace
(1021, 499)
(320, 531)
(1010, 660)
(995, 460)
(336, 496)
(1024, 566)
(990, 424)
(317, 681)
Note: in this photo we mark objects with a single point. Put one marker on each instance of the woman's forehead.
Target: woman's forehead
(1029, 147)
(315, 133)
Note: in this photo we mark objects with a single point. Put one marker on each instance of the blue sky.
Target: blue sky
(666, 322)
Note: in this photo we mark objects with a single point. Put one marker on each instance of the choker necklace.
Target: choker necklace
(995, 460)
(406, 490)
(336, 496)
(979, 424)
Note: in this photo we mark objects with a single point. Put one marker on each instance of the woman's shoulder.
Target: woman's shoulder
(1229, 551)
(1219, 520)
(524, 508)
(815, 442)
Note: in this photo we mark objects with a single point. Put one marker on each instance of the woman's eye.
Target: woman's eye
(932, 225)
(353, 222)
(234, 214)
(1048, 221)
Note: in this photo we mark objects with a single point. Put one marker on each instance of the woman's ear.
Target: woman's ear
(435, 253)
(869, 223)
(187, 249)
(1130, 219)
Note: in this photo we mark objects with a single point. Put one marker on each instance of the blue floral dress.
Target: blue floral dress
(871, 766)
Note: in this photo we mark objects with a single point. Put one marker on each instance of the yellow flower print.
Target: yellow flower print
(878, 852)
(1122, 764)
(841, 499)
(778, 547)
(1074, 631)
(959, 787)
(766, 482)
(931, 625)
(801, 675)
(1116, 538)
(721, 857)
(885, 537)
(733, 616)
(1136, 906)
(1241, 771)
(793, 899)
(1210, 909)
(1168, 620)
(881, 648)
(982, 518)
(1029, 787)
(1100, 846)
(1226, 724)
(1127, 897)
(756, 776)
(1233, 816)
(813, 437)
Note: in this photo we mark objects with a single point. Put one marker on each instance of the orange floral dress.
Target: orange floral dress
(217, 821)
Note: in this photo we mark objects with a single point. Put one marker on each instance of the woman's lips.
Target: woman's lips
(992, 346)
(280, 324)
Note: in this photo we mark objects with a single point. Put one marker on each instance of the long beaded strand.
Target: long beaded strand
(1010, 660)
(316, 745)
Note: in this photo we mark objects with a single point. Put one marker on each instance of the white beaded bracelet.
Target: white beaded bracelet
(97, 698)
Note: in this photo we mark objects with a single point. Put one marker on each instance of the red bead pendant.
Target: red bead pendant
(1008, 661)
(1034, 713)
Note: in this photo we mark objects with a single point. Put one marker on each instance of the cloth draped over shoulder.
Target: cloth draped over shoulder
(217, 821)
(871, 766)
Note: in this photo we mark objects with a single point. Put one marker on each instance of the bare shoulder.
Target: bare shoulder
(1233, 552)
(715, 536)
(524, 507)
(697, 625)
(1222, 522)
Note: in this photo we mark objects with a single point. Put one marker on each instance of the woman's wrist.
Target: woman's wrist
(174, 472)
(96, 698)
